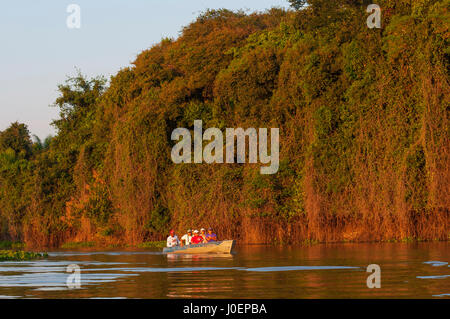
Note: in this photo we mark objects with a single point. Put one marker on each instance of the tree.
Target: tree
(297, 4)
(40, 145)
(77, 104)
(17, 138)
(77, 101)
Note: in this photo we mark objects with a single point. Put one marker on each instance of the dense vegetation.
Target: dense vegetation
(363, 118)
(15, 255)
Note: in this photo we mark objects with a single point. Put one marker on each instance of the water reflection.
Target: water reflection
(197, 257)
(322, 271)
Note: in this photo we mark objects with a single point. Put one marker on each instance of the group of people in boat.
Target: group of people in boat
(191, 238)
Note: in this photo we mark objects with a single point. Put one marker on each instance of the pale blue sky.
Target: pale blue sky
(38, 51)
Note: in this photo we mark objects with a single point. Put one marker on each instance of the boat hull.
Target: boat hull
(220, 247)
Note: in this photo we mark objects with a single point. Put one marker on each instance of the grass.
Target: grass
(89, 244)
(20, 255)
(83, 244)
(153, 244)
(11, 245)
(310, 242)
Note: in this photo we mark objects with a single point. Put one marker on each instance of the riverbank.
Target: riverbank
(161, 244)
(91, 244)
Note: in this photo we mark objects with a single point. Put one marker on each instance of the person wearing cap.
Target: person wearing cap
(186, 239)
(196, 239)
(203, 234)
(210, 236)
(172, 240)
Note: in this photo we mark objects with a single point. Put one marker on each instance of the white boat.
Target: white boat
(217, 247)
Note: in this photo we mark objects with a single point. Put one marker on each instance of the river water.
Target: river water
(408, 270)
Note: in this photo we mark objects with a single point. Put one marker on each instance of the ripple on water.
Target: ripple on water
(177, 269)
(197, 269)
(291, 268)
(51, 289)
(45, 280)
(433, 277)
(50, 266)
(52, 276)
(58, 263)
(436, 263)
(107, 253)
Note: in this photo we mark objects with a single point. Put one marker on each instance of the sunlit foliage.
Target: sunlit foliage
(363, 118)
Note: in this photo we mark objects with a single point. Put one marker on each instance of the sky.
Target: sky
(38, 51)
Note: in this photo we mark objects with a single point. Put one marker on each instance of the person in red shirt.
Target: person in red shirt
(196, 239)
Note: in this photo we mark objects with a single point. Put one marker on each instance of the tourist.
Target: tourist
(172, 240)
(186, 239)
(196, 239)
(203, 234)
(210, 236)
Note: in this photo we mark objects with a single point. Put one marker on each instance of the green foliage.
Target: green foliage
(159, 220)
(416, 193)
(152, 244)
(11, 245)
(71, 245)
(17, 138)
(13, 255)
(363, 117)
(40, 145)
(107, 232)
(297, 4)
(99, 207)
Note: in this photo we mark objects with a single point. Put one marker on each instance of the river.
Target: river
(408, 270)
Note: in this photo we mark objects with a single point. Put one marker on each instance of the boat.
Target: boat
(217, 247)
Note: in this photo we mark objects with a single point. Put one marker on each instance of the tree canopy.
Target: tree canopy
(362, 113)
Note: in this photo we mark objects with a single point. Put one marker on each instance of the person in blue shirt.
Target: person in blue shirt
(210, 236)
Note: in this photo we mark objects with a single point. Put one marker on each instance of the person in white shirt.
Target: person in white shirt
(186, 239)
(172, 240)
